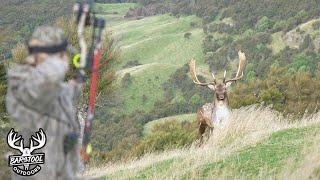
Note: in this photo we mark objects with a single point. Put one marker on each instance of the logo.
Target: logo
(27, 163)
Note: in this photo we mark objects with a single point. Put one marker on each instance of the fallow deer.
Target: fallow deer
(212, 114)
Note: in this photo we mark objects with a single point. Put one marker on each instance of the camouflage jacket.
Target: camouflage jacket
(38, 97)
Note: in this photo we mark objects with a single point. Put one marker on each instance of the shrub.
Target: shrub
(187, 35)
(131, 63)
(299, 61)
(126, 80)
(166, 136)
(264, 24)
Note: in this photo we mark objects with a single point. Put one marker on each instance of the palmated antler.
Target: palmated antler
(41, 139)
(13, 138)
(239, 75)
(192, 66)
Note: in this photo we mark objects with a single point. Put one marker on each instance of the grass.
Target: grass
(146, 83)
(181, 118)
(158, 44)
(271, 155)
(256, 144)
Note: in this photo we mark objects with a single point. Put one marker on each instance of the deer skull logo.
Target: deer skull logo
(27, 158)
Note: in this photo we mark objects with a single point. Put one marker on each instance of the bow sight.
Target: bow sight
(85, 17)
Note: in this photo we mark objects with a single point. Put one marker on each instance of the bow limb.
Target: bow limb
(82, 41)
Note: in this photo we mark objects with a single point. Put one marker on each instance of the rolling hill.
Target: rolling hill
(158, 44)
(257, 143)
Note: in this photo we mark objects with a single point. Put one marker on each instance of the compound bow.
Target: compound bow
(89, 61)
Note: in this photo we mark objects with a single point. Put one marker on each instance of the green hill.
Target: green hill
(154, 80)
(158, 44)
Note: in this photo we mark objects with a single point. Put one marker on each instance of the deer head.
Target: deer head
(220, 89)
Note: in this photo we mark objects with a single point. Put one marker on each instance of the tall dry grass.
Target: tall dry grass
(248, 126)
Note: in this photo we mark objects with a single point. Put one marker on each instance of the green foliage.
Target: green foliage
(248, 33)
(279, 25)
(21, 17)
(264, 24)
(300, 62)
(247, 13)
(291, 93)
(166, 136)
(250, 75)
(274, 97)
(109, 56)
(196, 100)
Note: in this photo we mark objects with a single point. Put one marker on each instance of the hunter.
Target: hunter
(39, 97)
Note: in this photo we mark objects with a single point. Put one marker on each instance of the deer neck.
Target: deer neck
(221, 103)
(221, 112)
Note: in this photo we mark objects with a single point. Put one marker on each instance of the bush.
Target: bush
(166, 136)
(131, 63)
(187, 35)
(264, 24)
(126, 80)
(299, 61)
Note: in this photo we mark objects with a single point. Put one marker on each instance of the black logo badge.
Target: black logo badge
(27, 163)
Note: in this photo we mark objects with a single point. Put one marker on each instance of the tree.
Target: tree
(301, 61)
(264, 24)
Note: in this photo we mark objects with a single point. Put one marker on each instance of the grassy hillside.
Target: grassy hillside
(154, 80)
(157, 43)
(258, 143)
(180, 118)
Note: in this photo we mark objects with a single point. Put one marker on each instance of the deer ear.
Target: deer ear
(212, 87)
(228, 84)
